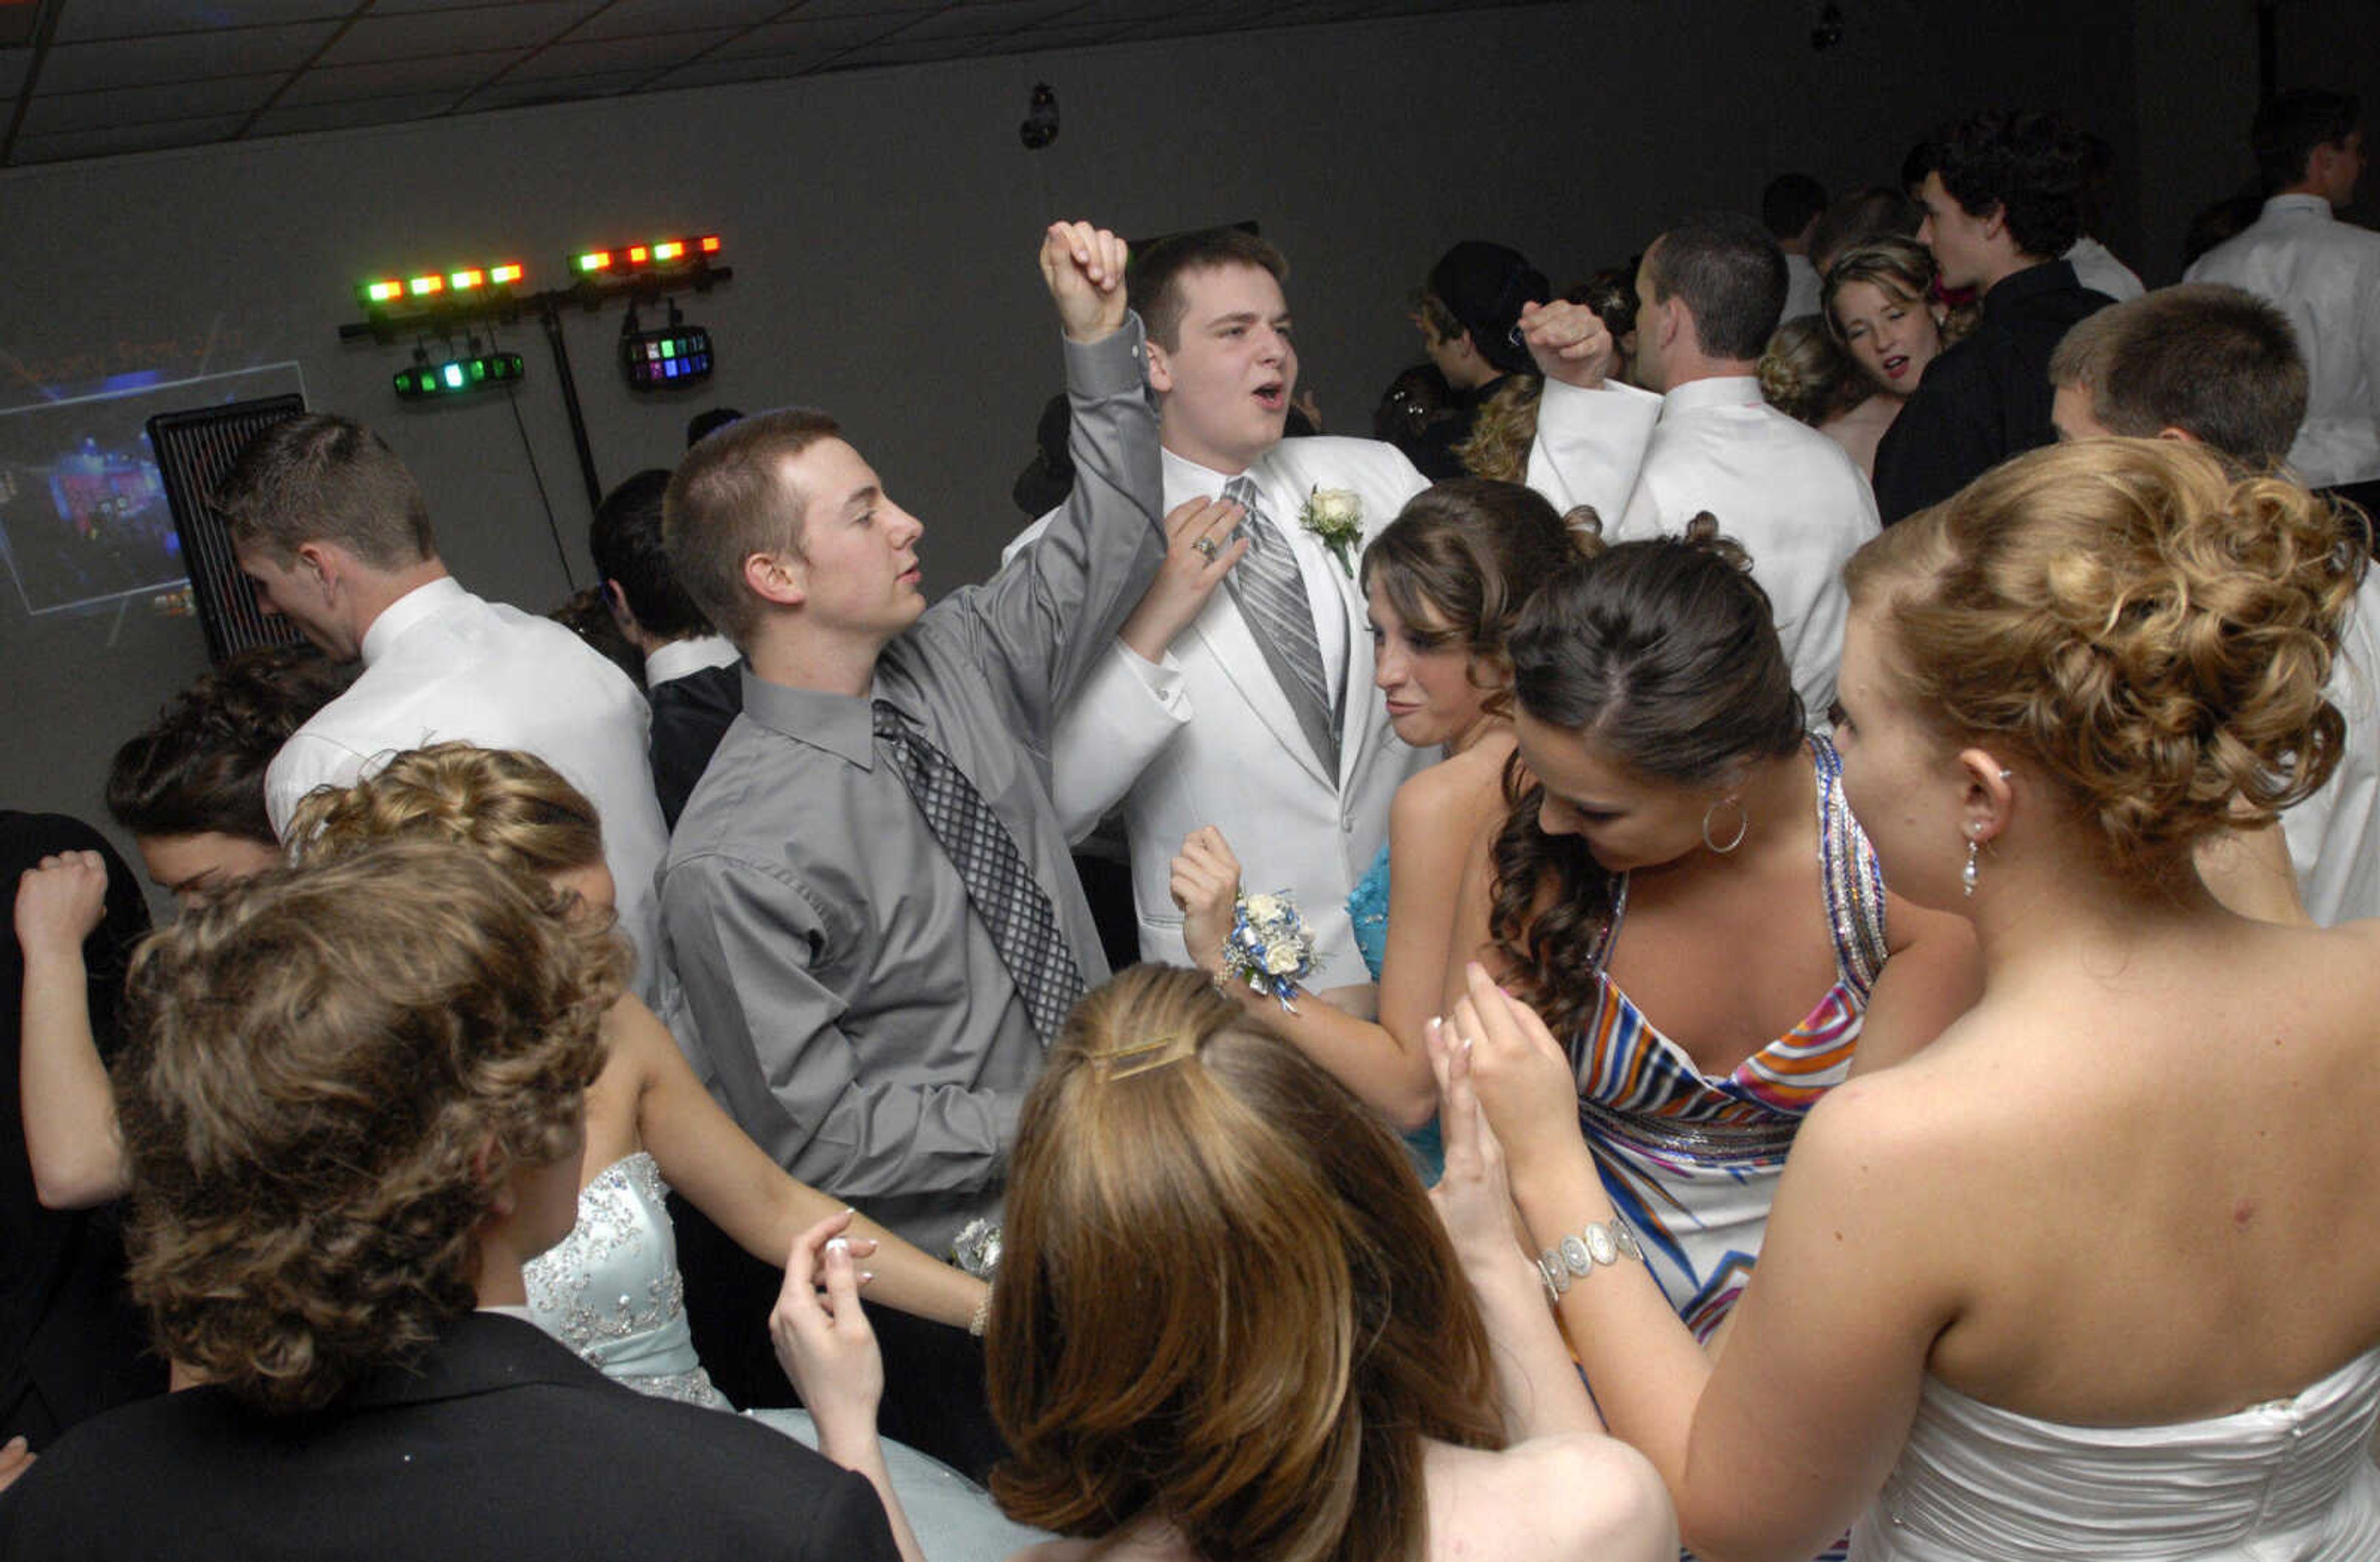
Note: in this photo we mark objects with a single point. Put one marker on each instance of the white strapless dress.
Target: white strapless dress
(612, 1291)
(2291, 1481)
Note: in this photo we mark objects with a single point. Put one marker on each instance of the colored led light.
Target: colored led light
(381, 292)
(503, 275)
(674, 249)
(454, 374)
(638, 255)
(471, 278)
(421, 285)
(710, 244)
(596, 260)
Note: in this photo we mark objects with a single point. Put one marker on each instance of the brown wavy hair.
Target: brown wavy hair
(333, 1070)
(1225, 1300)
(511, 807)
(2152, 637)
(197, 768)
(1465, 555)
(1665, 652)
(1502, 430)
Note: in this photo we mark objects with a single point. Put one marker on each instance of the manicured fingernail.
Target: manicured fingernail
(839, 1245)
(1435, 1021)
(866, 1275)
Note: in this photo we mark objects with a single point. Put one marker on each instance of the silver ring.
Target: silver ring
(1205, 546)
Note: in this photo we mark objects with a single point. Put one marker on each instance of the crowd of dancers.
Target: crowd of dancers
(1782, 958)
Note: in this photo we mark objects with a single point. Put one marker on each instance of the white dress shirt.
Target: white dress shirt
(1786, 491)
(2325, 275)
(2096, 268)
(681, 658)
(441, 664)
(2334, 834)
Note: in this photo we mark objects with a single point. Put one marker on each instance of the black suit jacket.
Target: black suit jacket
(501, 1442)
(690, 715)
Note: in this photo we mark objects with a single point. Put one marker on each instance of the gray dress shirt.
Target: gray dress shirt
(852, 1011)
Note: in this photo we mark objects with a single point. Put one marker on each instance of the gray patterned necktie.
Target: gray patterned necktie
(1015, 910)
(1271, 597)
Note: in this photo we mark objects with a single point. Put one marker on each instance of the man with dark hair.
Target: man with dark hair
(2001, 193)
(2325, 275)
(1707, 293)
(1790, 209)
(1469, 315)
(332, 531)
(691, 676)
(2212, 365)
(1252, 704)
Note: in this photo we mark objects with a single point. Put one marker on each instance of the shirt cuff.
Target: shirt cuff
(1162, 678)
(1111, 366)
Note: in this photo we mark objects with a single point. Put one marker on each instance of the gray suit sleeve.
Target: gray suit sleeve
(755, 951)
(1049, 615)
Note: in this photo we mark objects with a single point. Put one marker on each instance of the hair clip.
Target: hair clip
(1139, 1057)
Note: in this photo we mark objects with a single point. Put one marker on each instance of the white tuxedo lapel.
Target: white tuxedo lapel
(1228, 640)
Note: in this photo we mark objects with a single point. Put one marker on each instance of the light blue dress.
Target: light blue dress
(1368, 907)
(611, 1290)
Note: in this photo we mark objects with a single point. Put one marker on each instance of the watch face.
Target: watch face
(1574, 1253)
(1601, 1244)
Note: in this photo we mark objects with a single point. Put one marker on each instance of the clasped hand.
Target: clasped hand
(1084, 266)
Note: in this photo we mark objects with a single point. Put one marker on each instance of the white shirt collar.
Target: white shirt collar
(1181, 473)
(1726, 390)
(407, 611)
(511, 1310)
(2299, 202)
(680, 657)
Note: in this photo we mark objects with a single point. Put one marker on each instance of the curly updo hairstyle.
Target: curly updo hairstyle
(333, 1070)
(1225, 1300)
(509, 806)
(198, 767)
(2152, 637)
(1664, 651)
(1465, 555)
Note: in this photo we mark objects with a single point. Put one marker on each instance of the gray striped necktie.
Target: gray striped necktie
(1271, 597)
(1000, 884)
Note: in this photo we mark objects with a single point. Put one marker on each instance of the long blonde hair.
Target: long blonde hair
(1225, 1302)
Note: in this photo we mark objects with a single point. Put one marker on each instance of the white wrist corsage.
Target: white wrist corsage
(1268, 947)
(976, 1249)
(1336, 516)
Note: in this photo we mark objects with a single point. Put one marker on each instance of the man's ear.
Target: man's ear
(615, 598)
(325, 564)
(1996, 220)
(1161, 367)
(781, 579)
(2180, 437)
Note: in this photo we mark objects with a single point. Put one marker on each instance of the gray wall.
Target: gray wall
(882, 225)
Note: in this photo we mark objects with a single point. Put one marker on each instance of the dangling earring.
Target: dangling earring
(1743, 823)
(1969, 873)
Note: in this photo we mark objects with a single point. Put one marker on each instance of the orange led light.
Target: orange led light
(636, 255)
(671, 250)
(471, 278)
(503, 275)
(710, 244)
(381, 292)
(422, 284)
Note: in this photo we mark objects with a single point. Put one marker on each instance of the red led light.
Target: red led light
(638, 255)
(710, 244)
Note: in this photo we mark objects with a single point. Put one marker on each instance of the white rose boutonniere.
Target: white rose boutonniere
(1268, 947)
(1335, 515)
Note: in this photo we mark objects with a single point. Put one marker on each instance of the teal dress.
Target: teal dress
(1368, 907)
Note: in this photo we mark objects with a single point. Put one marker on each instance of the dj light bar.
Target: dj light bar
(458, 377)
(428, 290)
(637, 259)
(667, 358)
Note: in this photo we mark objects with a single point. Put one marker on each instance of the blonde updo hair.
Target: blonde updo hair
(1225, 1300)
(2152, 636)
(511, 807)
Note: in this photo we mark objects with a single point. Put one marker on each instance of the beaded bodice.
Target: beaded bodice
(611, 1290)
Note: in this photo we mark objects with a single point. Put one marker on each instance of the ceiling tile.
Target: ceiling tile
(513, 93)
(648, 55)
(190, 56)
(54, 112)
(629, 18)
(456, 74)
(378, 37)
(116, 140)
(12, 69)
(715, 71)
(350, 112)
(825, 10)
(987, 21)
(811, 38)
(84, 21)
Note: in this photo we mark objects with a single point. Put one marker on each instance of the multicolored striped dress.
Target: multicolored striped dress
(1692, 1161)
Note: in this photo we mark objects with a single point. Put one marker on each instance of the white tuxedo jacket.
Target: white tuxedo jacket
(1208, 738)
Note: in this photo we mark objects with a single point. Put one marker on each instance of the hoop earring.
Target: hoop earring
(1743, 823)
(1969, 874)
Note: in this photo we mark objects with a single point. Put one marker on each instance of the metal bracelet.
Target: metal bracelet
(1600, 1242)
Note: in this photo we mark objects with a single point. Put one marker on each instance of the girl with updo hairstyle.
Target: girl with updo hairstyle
(2115, 1235)
(1876, 305)
(1446, 582)
(1229, 1323)
(1679, 888)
